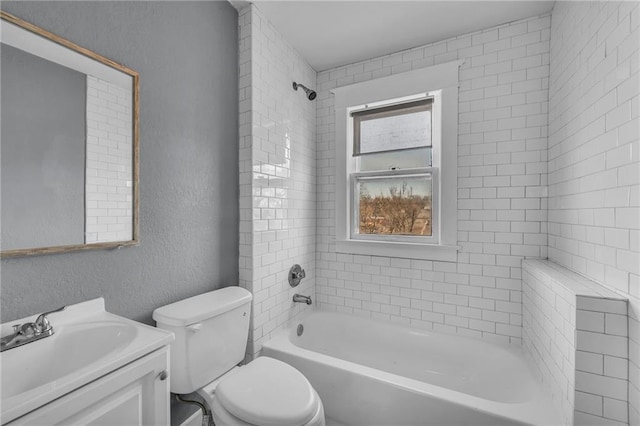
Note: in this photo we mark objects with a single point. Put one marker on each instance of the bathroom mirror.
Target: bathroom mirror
(69, 145)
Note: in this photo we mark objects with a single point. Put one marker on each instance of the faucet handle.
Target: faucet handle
(42, 322)
(28, 329)
(16, 328)
(296, 274)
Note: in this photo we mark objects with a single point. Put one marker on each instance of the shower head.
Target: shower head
(311, 94)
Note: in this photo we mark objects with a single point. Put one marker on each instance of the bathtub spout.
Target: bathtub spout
(302, 299)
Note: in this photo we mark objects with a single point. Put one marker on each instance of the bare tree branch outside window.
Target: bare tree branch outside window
(395, 211)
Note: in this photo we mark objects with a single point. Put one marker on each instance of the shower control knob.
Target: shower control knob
(296, 274)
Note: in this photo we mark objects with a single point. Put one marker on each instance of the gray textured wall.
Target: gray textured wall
(43, 152)
(186, 53)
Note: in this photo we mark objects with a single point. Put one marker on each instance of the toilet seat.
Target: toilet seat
(268, 392)
(222, 417)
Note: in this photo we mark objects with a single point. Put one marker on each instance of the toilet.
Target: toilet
(211, 333)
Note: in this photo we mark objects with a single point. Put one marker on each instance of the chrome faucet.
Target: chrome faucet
(29, 332)
(301, 299)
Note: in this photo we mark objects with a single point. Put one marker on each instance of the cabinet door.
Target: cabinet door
(136, 394)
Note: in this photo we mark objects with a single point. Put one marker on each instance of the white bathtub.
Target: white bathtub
(370, 372)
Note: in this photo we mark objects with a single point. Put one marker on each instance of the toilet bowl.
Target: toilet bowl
(211, 332)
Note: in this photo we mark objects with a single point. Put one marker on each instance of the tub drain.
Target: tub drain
(300, 329)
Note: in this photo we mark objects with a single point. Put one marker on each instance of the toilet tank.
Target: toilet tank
(211, 332)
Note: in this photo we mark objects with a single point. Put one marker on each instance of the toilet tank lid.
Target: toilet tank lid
(201, 307)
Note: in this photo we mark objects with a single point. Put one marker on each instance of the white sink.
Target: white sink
(87, 343)
(71, 348)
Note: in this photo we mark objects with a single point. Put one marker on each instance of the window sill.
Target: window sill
(393, 249)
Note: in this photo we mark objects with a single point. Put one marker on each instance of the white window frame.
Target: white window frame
(440, 81)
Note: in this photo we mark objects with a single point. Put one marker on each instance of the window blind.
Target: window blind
(392, 127)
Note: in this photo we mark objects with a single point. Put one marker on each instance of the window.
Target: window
(392, 188)
(396, 165)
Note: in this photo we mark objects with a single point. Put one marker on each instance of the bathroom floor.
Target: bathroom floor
(330, 422)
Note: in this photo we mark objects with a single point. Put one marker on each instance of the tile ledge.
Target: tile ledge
(568, 279)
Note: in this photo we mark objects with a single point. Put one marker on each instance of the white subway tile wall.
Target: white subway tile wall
(277, 175)
(502, 170)
(109, 168)
(575, 333)
(594, 168)
(601, 385)
(549, 326)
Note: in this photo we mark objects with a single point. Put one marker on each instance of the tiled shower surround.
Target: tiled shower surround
(502, 141)
(594, 167)
(277, 175)
(547, 167)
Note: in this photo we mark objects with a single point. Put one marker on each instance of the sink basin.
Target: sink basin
(87, 343)
(70, 349)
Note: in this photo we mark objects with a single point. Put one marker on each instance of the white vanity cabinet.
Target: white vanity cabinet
(135, 394)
